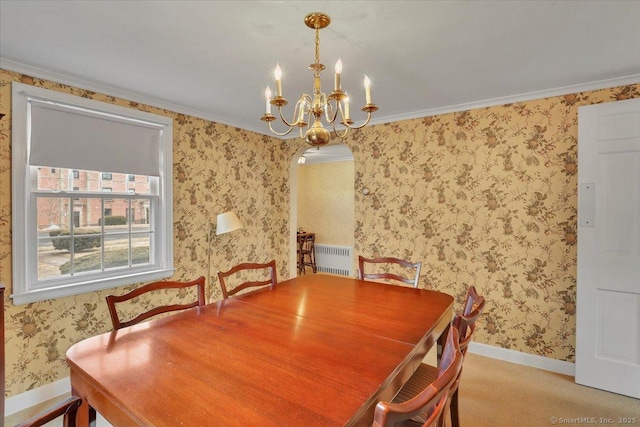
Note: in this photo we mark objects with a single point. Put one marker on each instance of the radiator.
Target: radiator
(334, 259)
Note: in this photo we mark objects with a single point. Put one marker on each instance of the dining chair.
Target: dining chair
(472, 301)
(67, 409)
(259, 275)
(465, 326)
(390, 262)
(307, 253)
(113, 300)
(430, 400)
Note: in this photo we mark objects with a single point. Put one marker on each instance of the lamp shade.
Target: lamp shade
(227, 222)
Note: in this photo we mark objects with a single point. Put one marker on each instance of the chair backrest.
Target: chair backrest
(473, 301)
(433, 399)
(67, 409)
(112, 300)
(465, 323)
(390, 261)
(308, 241)
(272, 279)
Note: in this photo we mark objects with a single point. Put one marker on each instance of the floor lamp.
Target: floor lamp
(225, 223)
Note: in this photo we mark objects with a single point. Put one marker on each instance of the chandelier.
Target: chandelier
(334, 107)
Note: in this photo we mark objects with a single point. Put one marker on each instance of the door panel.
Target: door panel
(608, 309)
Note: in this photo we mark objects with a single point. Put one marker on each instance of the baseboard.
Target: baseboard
(36, 396)
(61, 387)
(532, 360)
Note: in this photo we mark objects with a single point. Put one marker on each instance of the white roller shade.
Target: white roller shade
(69, 137)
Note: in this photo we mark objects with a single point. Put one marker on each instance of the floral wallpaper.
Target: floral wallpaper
(216, 168)
(485, 197)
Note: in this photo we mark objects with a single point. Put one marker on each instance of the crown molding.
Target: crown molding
(511, 99)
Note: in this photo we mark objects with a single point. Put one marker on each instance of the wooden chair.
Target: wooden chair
(465, 325)
(307, 253)
(387, 275)
(112, 300)
(271, 281)
(67, 409)
(431, 399)
(473, 301)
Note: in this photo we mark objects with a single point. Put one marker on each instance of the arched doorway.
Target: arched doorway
(322, 196)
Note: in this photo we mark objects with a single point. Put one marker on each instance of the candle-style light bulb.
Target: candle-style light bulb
(338, 72)
(346, 108)
(367, 89)
(267, 96)
(303, 104)
(277, 73)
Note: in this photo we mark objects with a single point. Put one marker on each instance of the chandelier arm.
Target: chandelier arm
(331, 109)
(291, 125)
(296, 112)
(362, 125)
(280, 133)
(338, 134)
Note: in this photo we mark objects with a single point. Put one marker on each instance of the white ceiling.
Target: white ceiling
(213, 59)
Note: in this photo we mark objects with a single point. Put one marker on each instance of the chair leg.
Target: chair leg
(455, 421)
(312, 256)
(300, 264)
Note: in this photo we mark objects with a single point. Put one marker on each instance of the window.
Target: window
(131, 178)
(63, 148)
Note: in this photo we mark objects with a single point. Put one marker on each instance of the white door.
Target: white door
(608, 305)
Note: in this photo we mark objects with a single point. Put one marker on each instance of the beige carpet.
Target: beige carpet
(494, 393)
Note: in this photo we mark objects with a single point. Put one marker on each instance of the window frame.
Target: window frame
(26, 288)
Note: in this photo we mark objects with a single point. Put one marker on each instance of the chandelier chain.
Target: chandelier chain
(317, 43)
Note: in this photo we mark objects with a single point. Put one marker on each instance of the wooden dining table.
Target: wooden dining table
(318, 350)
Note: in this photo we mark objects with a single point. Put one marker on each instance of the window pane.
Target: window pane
(139, 213)
(86, 180)
(56, 179)
(49, 258)
(140, 248)
(116, 249)
(141, 231)
(51, 219)
(87, 256)
(53, 213)
(53, 179)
